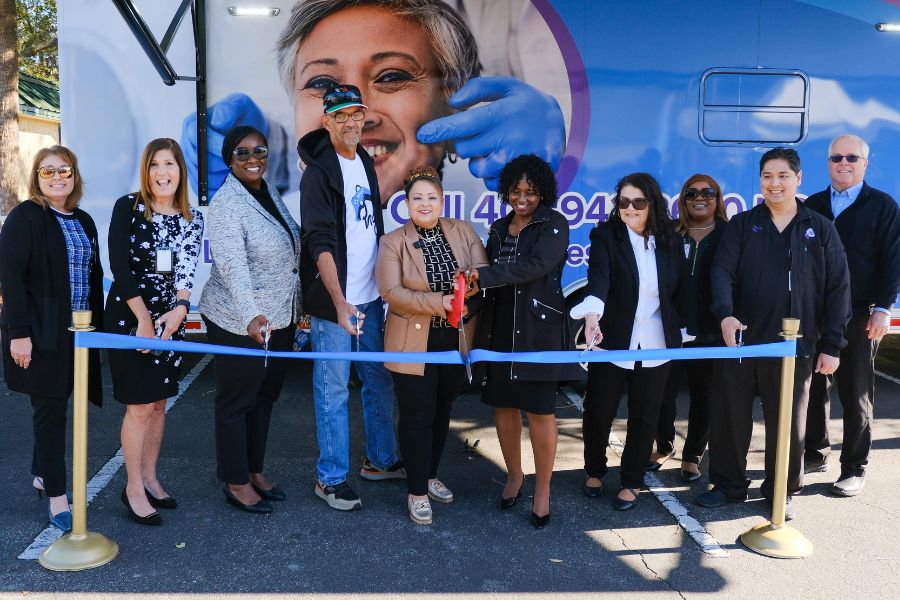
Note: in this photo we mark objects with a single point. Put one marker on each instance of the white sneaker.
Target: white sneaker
(439, 492)
(419, 511)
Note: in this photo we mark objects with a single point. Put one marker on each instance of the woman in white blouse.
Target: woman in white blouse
(634, 276)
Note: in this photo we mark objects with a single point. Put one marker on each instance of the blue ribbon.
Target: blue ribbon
(93, 339)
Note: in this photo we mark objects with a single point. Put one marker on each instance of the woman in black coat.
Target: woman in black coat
(523, 312)
(50, 266)
(701, 221)
(634, 276)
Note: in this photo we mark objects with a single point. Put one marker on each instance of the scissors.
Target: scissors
(592, 343)
(456, 319)
(265, 332)
(358, 315)
(740, 341)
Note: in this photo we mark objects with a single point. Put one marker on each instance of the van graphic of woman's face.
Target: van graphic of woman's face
(390, 60)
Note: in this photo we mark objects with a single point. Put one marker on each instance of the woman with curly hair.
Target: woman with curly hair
(634, 275)
(523, 312)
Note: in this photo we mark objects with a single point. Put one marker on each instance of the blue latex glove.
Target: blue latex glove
(519, 119)
(230, 111)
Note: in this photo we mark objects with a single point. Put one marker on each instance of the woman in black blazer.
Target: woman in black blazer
(523, 312)
(634, 276)
(50, 266)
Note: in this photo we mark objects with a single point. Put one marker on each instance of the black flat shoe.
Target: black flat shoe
(655, 466)
(167, 502)
(690, 476)
(261, 507)
(591, 491)
(620, 504)
(273, 494)
(504, 503)
(151, 519)
(539, 522)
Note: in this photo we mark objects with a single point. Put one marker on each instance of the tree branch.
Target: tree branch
(28, 52)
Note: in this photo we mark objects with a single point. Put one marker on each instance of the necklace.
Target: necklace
(710, 226)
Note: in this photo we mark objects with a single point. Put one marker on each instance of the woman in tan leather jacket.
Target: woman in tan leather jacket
(415, 274)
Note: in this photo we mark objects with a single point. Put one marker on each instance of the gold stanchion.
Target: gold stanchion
(81, 549)
(776, 539)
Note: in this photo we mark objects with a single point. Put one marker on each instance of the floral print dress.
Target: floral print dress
(133, 244)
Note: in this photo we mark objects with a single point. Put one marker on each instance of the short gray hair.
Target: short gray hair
(451, 40)
(849, 136)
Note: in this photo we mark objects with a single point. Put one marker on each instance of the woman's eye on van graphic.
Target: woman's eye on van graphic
(417, 65)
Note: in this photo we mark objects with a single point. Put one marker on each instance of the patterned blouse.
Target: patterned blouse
(508, 249)
(78, 247)
(440, 265)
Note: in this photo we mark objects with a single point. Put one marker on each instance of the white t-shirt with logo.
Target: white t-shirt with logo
(359, 217)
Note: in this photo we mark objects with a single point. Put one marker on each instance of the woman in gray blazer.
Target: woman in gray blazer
(252, 300)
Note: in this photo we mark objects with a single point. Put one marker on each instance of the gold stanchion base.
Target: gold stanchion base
(79, 552)
(777, 541)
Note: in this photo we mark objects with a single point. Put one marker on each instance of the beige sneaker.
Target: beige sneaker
(419, 511)
(439, 492)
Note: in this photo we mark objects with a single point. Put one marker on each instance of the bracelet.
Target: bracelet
(184, 303)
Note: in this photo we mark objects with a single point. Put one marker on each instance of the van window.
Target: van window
(761, 107)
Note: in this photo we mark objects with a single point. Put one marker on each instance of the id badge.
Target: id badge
(164, 260)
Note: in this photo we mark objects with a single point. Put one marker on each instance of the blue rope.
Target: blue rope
(93, 339)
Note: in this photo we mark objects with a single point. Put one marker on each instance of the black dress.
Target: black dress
(144, 378)
(501, 391)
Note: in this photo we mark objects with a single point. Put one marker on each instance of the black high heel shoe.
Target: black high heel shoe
(167, 502)
(504, 503)
(151, 519)
(539, 522)
(261, 507)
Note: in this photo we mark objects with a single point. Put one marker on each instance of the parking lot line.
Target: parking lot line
(707, 543)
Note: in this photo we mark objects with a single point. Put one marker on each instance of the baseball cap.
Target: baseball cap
(341, 96)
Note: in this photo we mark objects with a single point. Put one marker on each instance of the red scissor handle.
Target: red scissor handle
(459, 300)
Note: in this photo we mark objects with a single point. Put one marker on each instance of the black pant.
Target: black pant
(606, 382)
(424, 403)
(700, 384)
(736, 387)
(245, 392)
(855, 381)
(49, 457)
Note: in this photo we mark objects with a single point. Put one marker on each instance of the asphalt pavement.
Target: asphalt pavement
(206, 548)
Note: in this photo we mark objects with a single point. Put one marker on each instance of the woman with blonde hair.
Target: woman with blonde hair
(154, 245)
(50, 266)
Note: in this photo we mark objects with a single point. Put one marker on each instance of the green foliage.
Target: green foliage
(36, 36)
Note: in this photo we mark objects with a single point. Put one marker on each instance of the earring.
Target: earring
(451, 156)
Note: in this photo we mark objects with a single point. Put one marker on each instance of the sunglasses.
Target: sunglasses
(343, 117)
(851, 158)
(49, 172)
(637, 203)
(706, 193)
(243, 154)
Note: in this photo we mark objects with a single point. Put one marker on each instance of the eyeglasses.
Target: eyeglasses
(342, 117)
(851, 158)
(706, 193)
(637, 203)
(243, 154)
(49, 172)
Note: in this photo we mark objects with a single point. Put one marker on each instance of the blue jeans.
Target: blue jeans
(330, 378)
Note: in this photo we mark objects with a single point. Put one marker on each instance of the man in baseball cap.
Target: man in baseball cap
(341, 222)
